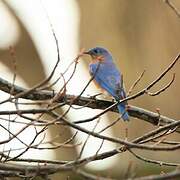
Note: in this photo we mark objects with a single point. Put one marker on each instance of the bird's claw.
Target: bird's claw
(94, 96)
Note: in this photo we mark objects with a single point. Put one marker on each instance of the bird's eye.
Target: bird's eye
(96, 51)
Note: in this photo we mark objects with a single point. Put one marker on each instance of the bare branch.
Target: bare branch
(172, 6)
(170, 175)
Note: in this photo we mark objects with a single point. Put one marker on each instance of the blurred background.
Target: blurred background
(141, 35)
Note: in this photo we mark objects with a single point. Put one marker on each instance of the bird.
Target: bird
(107, 76)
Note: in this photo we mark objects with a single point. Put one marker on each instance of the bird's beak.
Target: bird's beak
(86, 52)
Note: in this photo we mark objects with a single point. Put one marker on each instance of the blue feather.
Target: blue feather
(122, 110)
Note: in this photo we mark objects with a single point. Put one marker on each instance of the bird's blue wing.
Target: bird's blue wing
(109, 79)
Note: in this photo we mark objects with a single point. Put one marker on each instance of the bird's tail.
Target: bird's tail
(122, 110)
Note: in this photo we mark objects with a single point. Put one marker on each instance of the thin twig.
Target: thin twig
(172, 6)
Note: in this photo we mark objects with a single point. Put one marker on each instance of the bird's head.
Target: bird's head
(98, 53)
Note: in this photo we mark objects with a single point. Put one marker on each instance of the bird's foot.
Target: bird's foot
(94, 96)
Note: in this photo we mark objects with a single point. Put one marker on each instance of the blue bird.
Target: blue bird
(107, 76)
